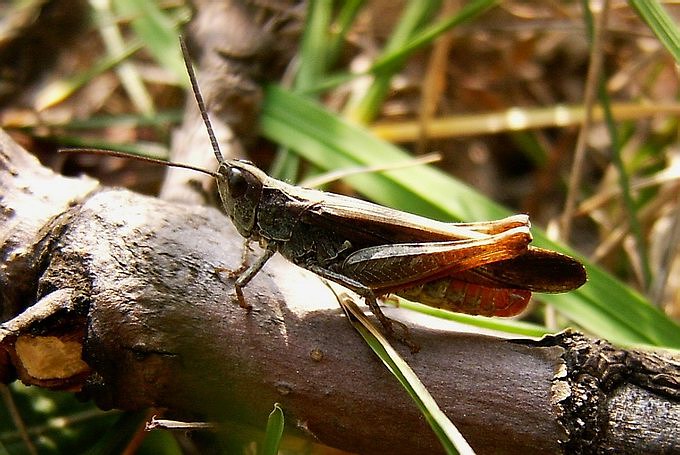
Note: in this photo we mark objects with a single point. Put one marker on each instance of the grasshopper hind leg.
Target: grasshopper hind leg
(401, 334)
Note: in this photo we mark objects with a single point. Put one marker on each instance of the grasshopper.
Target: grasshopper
(485, 268)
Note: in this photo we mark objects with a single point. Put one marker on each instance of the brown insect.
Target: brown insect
(485, 268)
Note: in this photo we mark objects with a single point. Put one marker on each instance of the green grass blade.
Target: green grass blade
(425, 37)
(508, 326)
(400, 50)
(363, 106)
(274, 432)
(129, 77)
(345, 19)
(629, 202)
(452, 441)
(162, 118)
(314, 45)
(60, 90)
(661, 23)
(158, 31)
(313, 60)
(604, 306)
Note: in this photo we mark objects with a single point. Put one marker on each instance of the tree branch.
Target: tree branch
(126, 296)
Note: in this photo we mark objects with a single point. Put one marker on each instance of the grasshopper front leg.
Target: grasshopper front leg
(245, 277)
(246, 273)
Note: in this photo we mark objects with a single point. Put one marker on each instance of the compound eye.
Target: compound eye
(237, 183)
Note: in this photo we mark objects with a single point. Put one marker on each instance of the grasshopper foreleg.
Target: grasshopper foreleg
(245, 273)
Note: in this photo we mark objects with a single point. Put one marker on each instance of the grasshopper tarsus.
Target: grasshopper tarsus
(246, 273)
(231, 273)
(241, 299)
(237, 272)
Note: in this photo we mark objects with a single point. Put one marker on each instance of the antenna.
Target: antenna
(102, 152)
(199, 100)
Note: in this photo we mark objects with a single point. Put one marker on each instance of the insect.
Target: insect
(485, 268)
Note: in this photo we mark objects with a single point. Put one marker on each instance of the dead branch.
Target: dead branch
(116, 295)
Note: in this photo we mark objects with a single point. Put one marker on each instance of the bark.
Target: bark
(116, 295)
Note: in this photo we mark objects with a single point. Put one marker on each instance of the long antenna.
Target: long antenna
(93, 151)
(199, 100)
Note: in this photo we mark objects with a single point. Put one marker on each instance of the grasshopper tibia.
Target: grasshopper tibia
(244, 273)
(389, 324)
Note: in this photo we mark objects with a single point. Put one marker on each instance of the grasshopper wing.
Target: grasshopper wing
(388, 266)
(501, 288)
(368, 224)
(536, 270)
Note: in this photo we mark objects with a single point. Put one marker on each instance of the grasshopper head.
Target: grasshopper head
(240, 186)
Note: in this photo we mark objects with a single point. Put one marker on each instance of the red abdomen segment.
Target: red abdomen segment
(469, 298)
